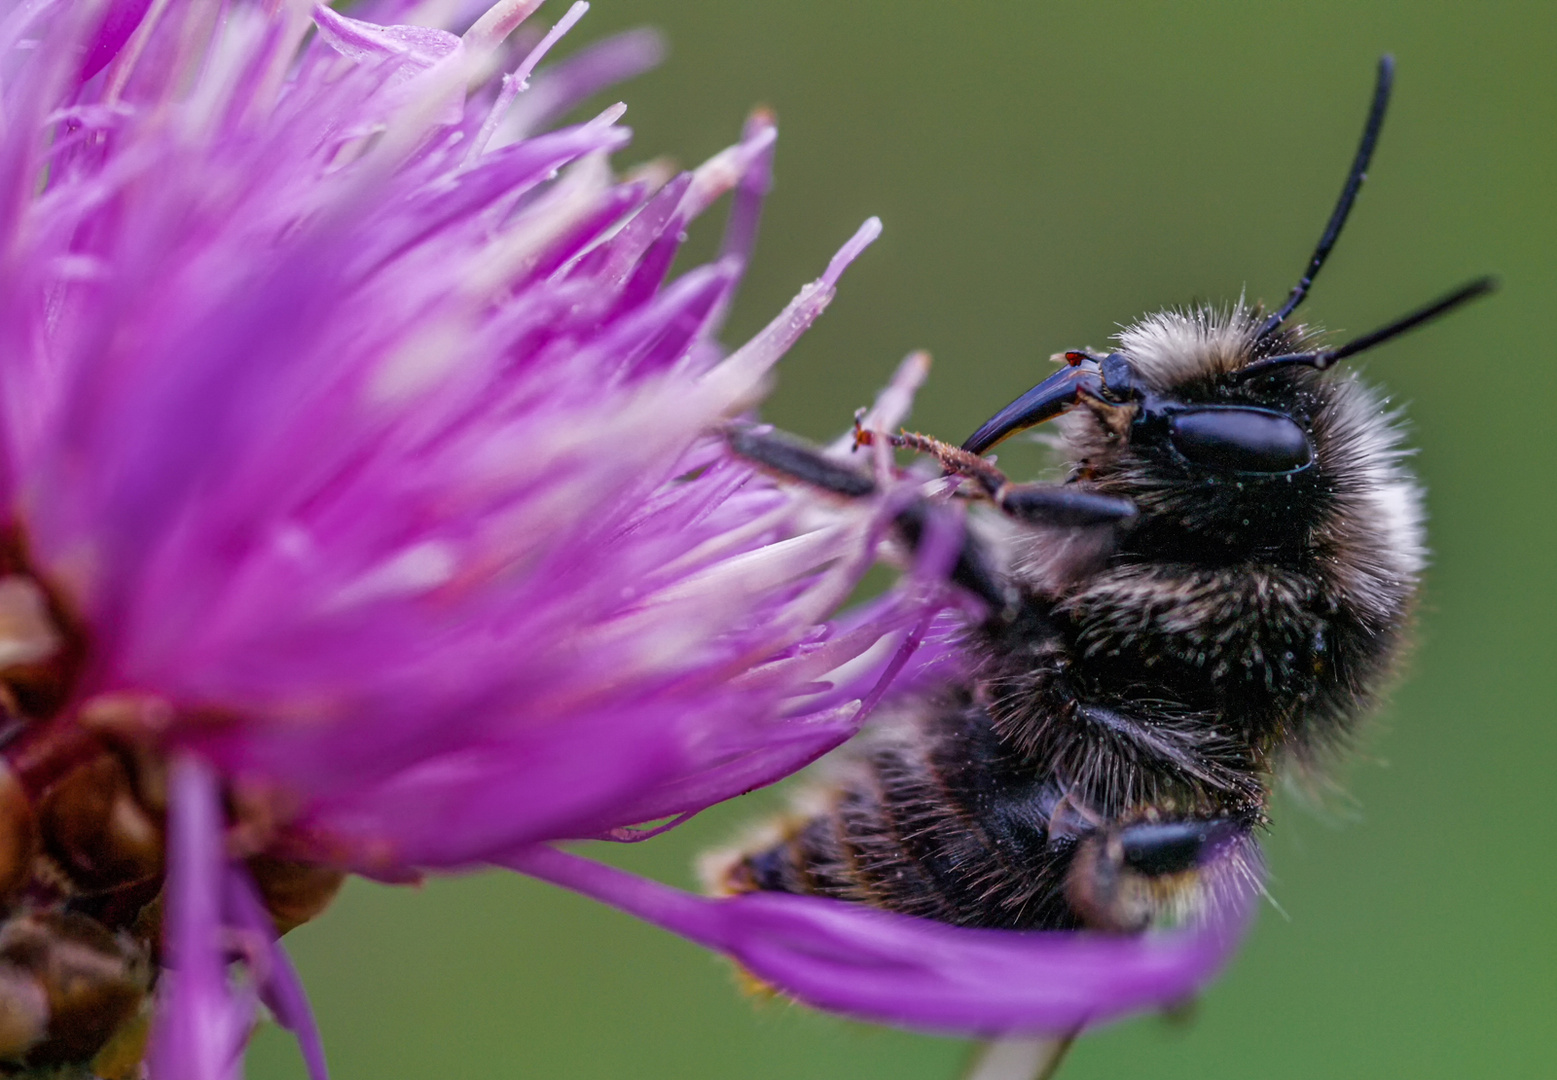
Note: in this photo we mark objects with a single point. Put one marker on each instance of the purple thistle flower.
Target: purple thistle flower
(368, 512)
(327, 426)
(362, 463)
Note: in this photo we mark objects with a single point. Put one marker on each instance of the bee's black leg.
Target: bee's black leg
(1159, 848)
(793, 459)
(974, 569)
(1122, 878)
(1055, 505)
(1063, 505)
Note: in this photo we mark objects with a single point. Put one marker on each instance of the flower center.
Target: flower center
(83, 806)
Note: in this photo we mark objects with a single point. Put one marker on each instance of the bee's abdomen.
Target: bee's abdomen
(937, 821)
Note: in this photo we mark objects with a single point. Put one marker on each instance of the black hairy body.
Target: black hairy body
(1153, 687)
(1219, 587)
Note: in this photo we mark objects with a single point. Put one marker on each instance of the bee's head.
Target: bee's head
(1215, 460)
(1222, 426)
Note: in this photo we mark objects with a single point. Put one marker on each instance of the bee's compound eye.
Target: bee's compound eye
(1234, 439)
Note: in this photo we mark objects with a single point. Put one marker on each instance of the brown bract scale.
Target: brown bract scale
(98, 831)
(294, 893)
(18, 834)
(92, 980)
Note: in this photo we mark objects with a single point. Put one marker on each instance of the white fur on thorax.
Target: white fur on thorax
(1377, 532)
(1169, 348)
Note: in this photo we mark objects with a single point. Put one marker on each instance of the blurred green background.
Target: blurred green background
(1044, 172)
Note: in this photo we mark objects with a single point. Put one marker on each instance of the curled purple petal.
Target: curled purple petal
(915, 973)
(279, 986)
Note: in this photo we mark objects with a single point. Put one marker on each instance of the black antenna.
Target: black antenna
(1354, 179)
(1323, 358)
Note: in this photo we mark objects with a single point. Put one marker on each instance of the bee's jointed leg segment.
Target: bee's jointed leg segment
(1157, 848)
(975, 568)
(955, 460)
(1063, 506)
(1054, 505)
(1123, 878)
(793, 459)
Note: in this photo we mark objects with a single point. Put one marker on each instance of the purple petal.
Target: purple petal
(764, 756)
(752, 360)
(279, 986)
(914, 973)
(120, 20)
(570, 18)
(419, 47)
(740, 236)
(456, 809)
(201, 1025)
(770, 756)
(558, 88)
(519, 79)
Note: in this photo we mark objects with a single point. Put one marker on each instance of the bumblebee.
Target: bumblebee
(1217, 590)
